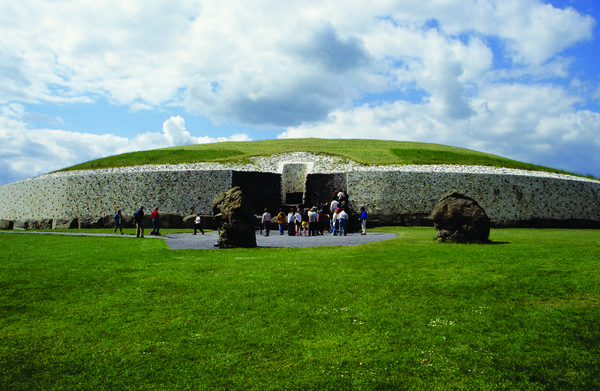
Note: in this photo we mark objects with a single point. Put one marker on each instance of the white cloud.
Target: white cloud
(26, 152)
(265, 59)
(174, 131)
(466, 72)
(533, 124)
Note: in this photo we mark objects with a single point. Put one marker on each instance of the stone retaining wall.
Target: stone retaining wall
(392, 197)
(509, 200)
(89, 194)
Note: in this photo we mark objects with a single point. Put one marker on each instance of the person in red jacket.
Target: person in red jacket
(155, 222)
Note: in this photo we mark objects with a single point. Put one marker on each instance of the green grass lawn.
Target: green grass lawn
(100, 313)
(362, 151)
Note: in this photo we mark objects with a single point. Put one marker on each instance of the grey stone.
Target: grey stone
(234, 219)
(65, 223)
(170, 220)
(21, 225)
(6, 225)
(91, 222)
(460, 219)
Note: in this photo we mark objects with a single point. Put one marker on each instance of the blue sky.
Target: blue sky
(81, 80)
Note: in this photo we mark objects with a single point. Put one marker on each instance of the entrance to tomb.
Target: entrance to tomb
(294, 198)
(293, 182)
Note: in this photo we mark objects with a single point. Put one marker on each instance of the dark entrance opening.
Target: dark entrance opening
(294, 198)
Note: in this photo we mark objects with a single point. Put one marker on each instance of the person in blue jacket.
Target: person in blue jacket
(118, 218)
(363, 220)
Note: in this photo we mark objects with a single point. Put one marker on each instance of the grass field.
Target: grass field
(362, 151)
(99, 313)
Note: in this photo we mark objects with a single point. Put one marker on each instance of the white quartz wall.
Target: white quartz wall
(99, 193)
(293, 177)
(505, 197)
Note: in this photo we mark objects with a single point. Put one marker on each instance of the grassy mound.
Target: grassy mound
(381, 152)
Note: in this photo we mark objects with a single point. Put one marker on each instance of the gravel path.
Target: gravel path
(208, 241)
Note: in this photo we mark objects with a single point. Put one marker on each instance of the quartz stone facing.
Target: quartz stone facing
(393, 195)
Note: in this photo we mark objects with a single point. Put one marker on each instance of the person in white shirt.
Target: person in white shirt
(266, 221)
(343, 219)
(291, 223)
(198, 224)
(298, 221)
(335, 222)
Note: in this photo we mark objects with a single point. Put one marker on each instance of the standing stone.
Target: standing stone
(460, 219)
(234, 219)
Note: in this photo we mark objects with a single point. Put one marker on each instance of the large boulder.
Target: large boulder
(460, 219)
(91, 222)
(234, 219)
(6, 224)
(65, 223)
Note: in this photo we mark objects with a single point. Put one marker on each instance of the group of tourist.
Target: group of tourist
(138, 218)
(331, 217)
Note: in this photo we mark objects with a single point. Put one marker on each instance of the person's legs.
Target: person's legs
(139, 229)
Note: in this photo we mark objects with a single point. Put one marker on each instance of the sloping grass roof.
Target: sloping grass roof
(374, 152)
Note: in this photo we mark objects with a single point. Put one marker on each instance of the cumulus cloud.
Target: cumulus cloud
(467, 72)
(261, 68)
(536, 124)
(174, 131)
(26, 151)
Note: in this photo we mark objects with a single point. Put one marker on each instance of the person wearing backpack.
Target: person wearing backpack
(138, 217)
(118, 218)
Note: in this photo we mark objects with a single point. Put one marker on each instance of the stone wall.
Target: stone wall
(263, 189)
(92, 194)
(321, 187)
(392, 197)
(509, 200)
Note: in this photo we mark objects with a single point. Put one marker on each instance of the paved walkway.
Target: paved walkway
(189, 241)
(208, 241)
